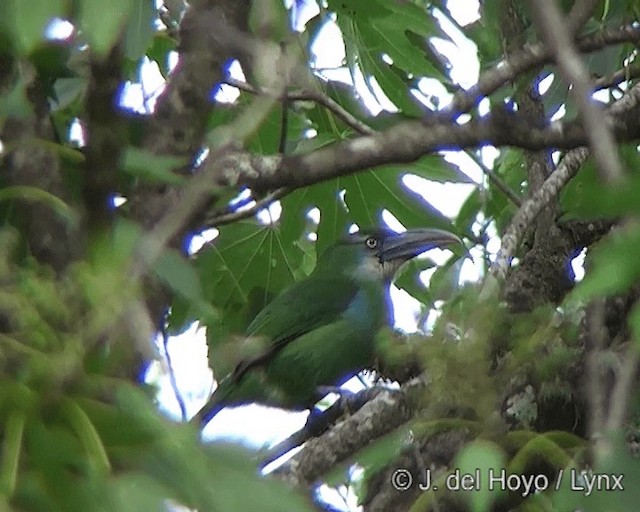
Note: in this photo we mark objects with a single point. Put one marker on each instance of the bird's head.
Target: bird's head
(379, 253)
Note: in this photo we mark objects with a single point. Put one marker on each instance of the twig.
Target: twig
(608, 404)
(624, 74)
(596, 333)
(498, 182)
(228, 218)
(531, 207)
(172, 375)
(526, 59)
(555, 32)
(566, 170)
(308, 95)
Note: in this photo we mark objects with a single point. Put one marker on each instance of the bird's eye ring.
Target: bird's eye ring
(371, 242)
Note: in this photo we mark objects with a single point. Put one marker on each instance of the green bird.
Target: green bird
(321, 331)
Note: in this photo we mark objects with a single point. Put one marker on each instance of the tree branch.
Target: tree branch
(526, 59)
(28, 162)
(178, 124)
(383, 414)
(229, 217)
(581, 11)
(566, 170)
(308, 95)
(627, 73)
(498, 182)
(555, 33)
(406, 142)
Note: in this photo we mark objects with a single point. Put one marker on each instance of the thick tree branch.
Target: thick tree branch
(406, 142)
(178, 124)
(530, 209)
(179, 121)
(177, 108)
(387, 411)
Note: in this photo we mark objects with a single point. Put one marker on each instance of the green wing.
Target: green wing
(303, 307)
(310, 314)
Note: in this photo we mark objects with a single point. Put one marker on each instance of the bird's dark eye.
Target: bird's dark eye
(371, 242)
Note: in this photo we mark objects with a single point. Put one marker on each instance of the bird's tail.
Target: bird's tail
(217, 402)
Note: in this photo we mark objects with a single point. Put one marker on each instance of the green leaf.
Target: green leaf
(613, 266)
(363, 49)
(102, 27)
(57, 205)
(444, 282)
(51, 60)
(556, 95)
(369, 192)
(392, 30)
(67, 91)
(481, 457)
(139, 30)
(31, 17)
(437, 168)
(133, 491)
(197, 475)
(606, 61)
(245, 256)
(14, 103)
(334, 214)
(585, 197)
(159, 50)
(469, 212)
(179, 274)
(395, 87)
(266, 139)
(510, 167)
(182, 277)
(409, 279)
(149, 166)
(485, 33)
(382, 27)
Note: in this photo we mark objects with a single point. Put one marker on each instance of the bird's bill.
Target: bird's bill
(407, 245)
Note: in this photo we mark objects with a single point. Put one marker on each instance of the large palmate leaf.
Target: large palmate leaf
(246, 265)
(373, 35)
(370, 192)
